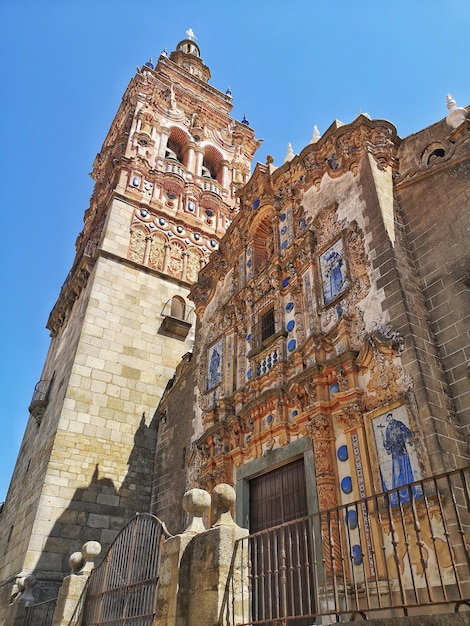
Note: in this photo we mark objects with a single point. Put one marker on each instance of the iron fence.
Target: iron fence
(396, 553)
(40, 614)
(121, 589)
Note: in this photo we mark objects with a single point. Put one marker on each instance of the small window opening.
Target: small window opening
(173, 152)
(268, 326)
(177, 307)
(438, 153)
(208, 170)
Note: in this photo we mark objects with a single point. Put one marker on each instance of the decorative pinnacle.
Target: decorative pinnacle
(457, 115)
(191, 34)
(316, 135)
(290, 153)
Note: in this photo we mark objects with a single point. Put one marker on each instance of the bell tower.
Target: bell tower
(165, 192)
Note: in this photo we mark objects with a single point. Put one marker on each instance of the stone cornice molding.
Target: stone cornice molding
(339, 151)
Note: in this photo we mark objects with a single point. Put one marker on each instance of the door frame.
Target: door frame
(269, 461)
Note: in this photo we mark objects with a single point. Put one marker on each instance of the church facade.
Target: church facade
(325, 322)
(301, 334)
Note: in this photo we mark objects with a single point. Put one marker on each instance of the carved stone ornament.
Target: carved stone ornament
(387, 380)
(350, 417)
(319, 427)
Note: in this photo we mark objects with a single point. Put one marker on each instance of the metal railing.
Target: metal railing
(396, 553)
(40, 614)
(121, 589)
(178, 310)
(41, 391)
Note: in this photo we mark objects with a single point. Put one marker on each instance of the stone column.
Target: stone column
(218, 573)
(68, 610)
(172, 591)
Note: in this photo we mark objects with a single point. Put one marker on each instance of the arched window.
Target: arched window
(178, 307)
(173, 151)
(211, 164)
(263, 244)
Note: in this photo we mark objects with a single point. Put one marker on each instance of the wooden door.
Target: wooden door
(278, 496)
(282, 586)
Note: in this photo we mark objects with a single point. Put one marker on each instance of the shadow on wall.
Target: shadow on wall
(95, 513)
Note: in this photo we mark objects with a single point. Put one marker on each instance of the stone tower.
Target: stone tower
(166, 182)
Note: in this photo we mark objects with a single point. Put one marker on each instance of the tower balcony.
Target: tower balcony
(175, 167)
(178, 318)
(212, 186)
(40, 399)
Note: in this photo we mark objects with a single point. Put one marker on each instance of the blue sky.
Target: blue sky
(290, 64)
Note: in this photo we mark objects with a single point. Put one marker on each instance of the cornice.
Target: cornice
(339, 151)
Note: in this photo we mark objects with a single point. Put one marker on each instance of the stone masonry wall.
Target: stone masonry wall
(436, 212)
(173, 451)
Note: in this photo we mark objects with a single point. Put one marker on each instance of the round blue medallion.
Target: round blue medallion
(346, 484)
(269, 419)
(351, 519)
(284, 245)
(356, 554)
(334, 388)
(161, 221)
(256, 204)
(295, 413)
(290, 325)
(136, 181)
(213, 243)
(143, 213)
(343, 453)
(283, 217)
(249, 374)
(289, 306)
(283, 230)
(191, 206)
(286, 281)
(291, 345)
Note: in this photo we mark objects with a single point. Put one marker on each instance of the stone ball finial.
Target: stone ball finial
(457, 115)
(196, 502)
(223, 499)
(75, 562)
(90, 550)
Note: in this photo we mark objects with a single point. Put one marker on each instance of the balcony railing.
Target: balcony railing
(175, 167)
(212, 186)
(178, 318)
(41, 614)
(40, 399)
(404, 552)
